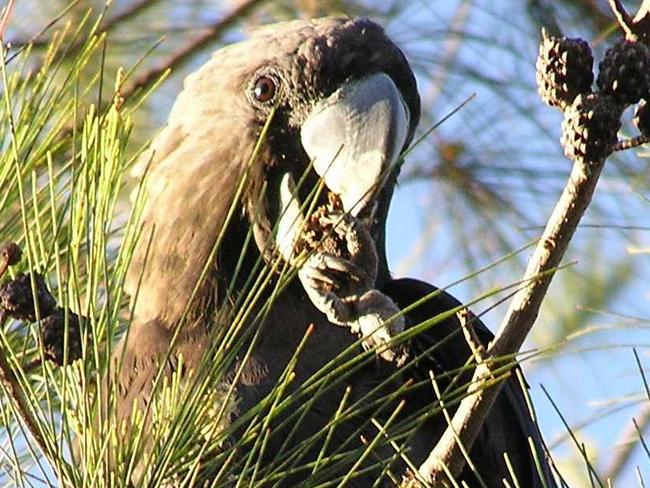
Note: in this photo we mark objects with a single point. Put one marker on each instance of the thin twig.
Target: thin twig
(642, 21)
(474, 343)
(624, 19)
(631, 143)
(637, 28)
(15, 392)
(8, 378)
(47, 27)
(6, 14)
(550, 250)
(180, 56)
(196, 43)
(524, 308)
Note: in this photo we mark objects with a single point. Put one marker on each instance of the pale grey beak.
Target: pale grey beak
(354, 136)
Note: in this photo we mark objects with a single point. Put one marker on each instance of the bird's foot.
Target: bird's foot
(378, 321)
(344, 292)
(333, 284)
(357, 240)
(325, 272)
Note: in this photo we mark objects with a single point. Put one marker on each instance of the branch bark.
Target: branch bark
(637, 28)
(196, 43)
(15, 393)
(181, 55)
(447, 455)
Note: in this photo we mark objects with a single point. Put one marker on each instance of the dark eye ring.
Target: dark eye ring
(265, 88)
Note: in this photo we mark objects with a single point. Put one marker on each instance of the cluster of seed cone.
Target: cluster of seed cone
(592, 118)
(19, 300)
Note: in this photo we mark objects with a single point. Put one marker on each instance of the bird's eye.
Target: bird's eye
(264, 89)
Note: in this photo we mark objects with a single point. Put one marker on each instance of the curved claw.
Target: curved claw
(345, 277)
(370, 314)
(314, 282)
(353, 273)
(359, 242)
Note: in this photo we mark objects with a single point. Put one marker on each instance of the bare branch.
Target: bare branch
(642, 21)
(196, 43)
(15, 392)
(521, 315)
(474, 343)
(637, 28)
(8, 379)
(547, 256)
(631, 143)
(448, 457)
(182, 54)
(624, 19)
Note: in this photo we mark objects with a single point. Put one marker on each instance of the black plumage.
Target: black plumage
(191, 264)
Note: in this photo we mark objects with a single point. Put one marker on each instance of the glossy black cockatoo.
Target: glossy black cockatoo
(300, 130)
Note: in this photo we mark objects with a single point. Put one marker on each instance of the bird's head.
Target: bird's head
(340, 105)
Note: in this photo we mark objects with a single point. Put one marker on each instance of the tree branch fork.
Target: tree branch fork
(447, 458)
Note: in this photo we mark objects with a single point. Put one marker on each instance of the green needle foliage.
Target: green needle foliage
(61, 183)
(67, 149)
(63, 189)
